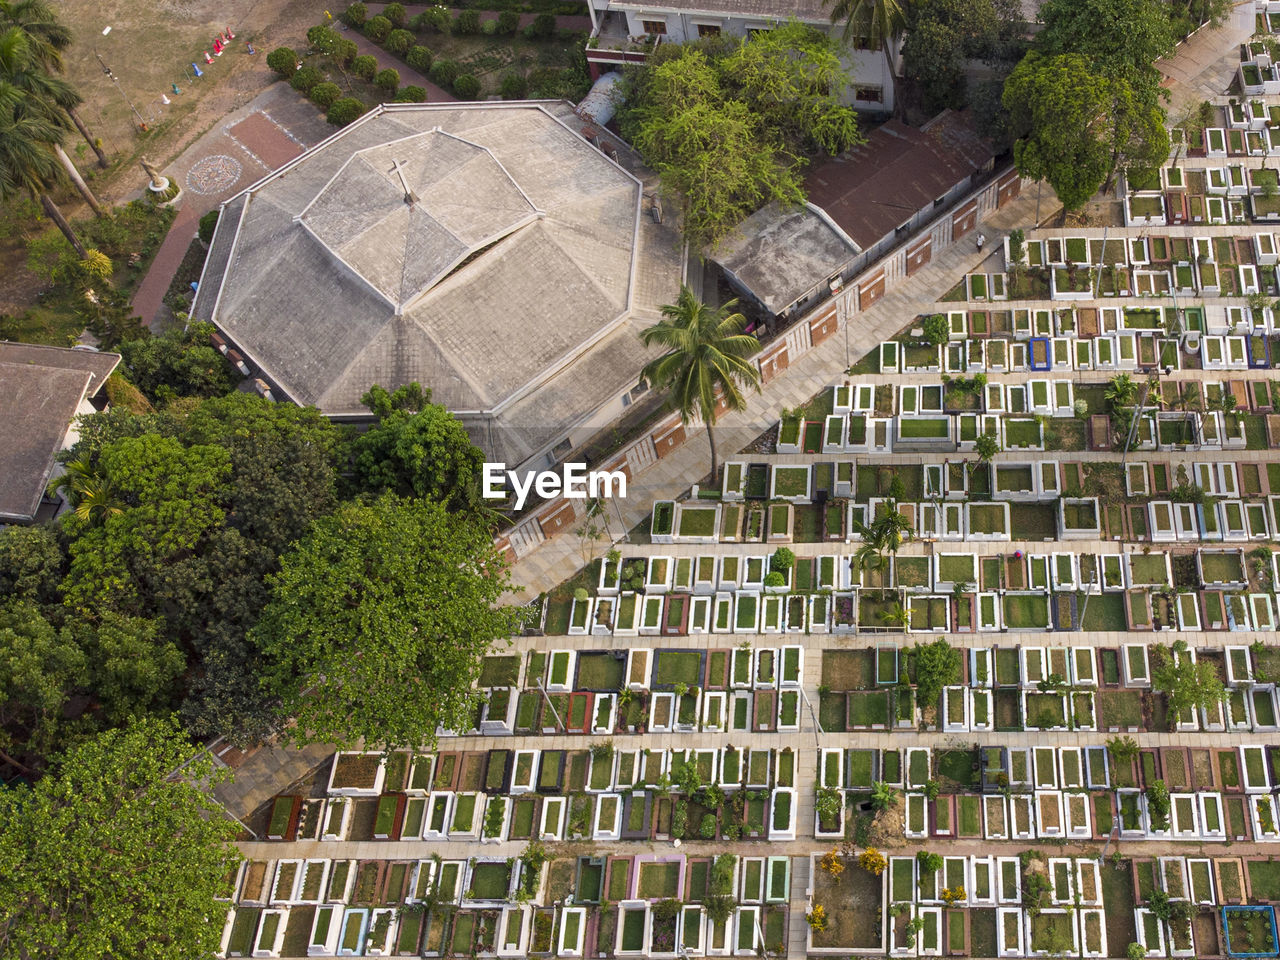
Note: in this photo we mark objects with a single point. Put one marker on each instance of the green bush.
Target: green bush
(283, 60)
(364, 66)
(489, 28)
(306, 78)
(322, 37)
(324, 94)
(388, 81)
(356, 15)
(434, 19)
(395, 13)
(508, 22)
(377, 29)
(444, 72)
(208, 223)
(708, 826)
(399, 41)
(466, 22)
(466, 86)
(344, 111)
(344, 51)
(419, 58)
(513, 86)
(411, 94)
(543, 26)
(546, 83)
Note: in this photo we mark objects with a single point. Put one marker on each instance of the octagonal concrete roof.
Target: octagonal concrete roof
(480, 249)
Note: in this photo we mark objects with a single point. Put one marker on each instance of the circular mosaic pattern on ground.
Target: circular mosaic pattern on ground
(213, 174)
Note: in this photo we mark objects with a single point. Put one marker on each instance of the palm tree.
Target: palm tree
(48, 38)
(43, 94)
(1122, 391)
(89, 492)
(896, 616)
(707, 353)
(870, 22)
(891, 529)
(26, 162)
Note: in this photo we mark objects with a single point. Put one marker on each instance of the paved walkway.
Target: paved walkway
(1202, 68)
(409, 77)
(273, 128)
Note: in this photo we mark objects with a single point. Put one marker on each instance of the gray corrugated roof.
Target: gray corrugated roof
(812, 11)
(41, 389)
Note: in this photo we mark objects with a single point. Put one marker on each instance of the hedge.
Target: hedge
(543, 26)
(466, 86)
(356, 15)
(306, 78)
(283, 60)
(388, 80)
(364, 66)
(435, 19)
(444, 72)
(324, 95)
(208, 223)
(468, 21)
(344, 111)
(377, 29)
(508, 22)
(411, 94)
(399, 41)
(395, 13)
(513, 87)
(419, 58)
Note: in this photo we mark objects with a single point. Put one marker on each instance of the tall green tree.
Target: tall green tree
(48, 38)
(178, 363)
(379, 620)
(1058, 109)
(40, 667)
(1121, 39)
(1187, 684)
(31, 563)
(27, 164)
(417, 449)
(937, 665)
(45, 95)
(109, 857)
(707, 353)
(944, 35)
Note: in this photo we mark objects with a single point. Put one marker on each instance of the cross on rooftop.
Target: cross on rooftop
(397, 167)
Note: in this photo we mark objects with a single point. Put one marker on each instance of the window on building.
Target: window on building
(753, 32)
(869, 95)
(655, 28)
(708, 30)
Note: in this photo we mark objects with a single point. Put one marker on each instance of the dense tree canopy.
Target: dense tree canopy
(378, 621)
(417, 449)
(945, 35)
(178, 363)
(730, 124)
(108, 857)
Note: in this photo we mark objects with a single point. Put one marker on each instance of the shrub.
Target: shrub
(344, 110)
(324, 94)
(364, 66)
(283, 60)
(377, 29)
(832, 863)
(443, 72)
(306, 78)
(466, 86)
(411, 94)
(513, 86)
(467, 21)
(489, 28)
(395, 13)
(419, 58)
(708, 826)
(388, 80)
(543, 26)
(344, 51)
(545, 83)
(399, 41)
(937, 329)
(873, 861)
(356, 15)
(775, 579)
(208, 223)
(783, 559)
(435, 19)
(508, 22)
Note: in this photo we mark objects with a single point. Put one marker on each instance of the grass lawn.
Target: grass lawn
(866, 709)
(659, 880)
(970, 815)
(848, 669)
(1026, 611)
(678, 667)
(600, 671)
(791, 481)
